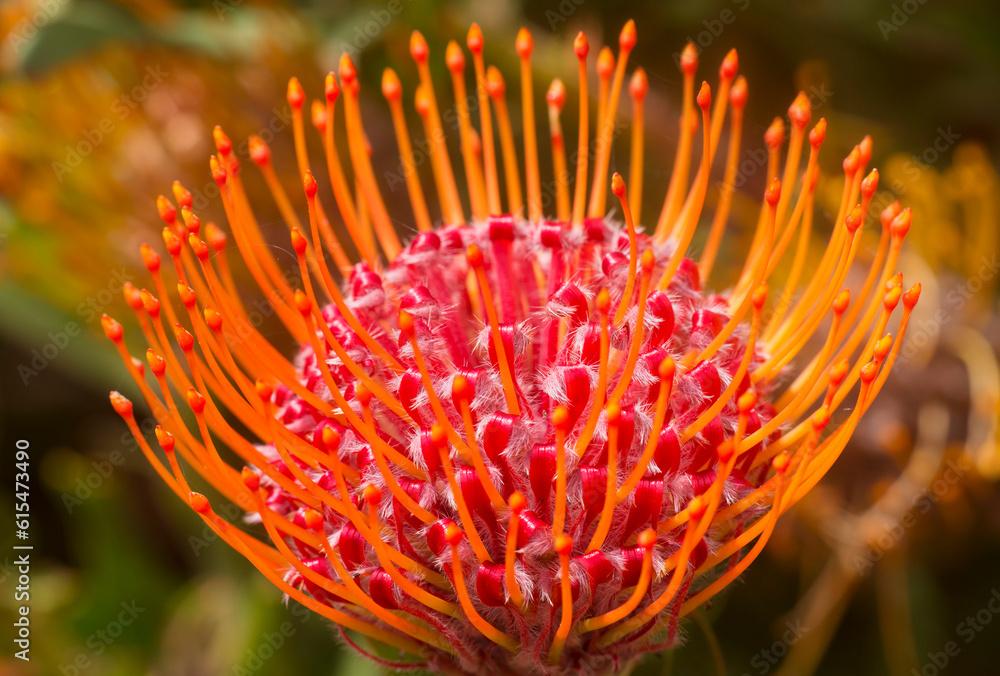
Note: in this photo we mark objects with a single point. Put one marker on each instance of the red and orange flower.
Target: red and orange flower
(514, 444)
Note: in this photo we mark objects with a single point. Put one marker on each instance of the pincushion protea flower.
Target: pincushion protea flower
(513, 444)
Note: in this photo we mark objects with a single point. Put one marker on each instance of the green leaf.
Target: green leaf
(83, 28)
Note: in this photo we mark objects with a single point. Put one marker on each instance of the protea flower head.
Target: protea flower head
(526, 441)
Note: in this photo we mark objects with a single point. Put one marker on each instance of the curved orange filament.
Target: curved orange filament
(799, 259)
(349, 589)
(334, 294)
(177, 485)
(359, 596)
(474, 180)
(279, 299)
(680, 560)
(687, 221)
(342, 196)
(721, 218)
(477, 456)
(371, 535)
(733, 572)
(844, 430)
(485, 123)
(465, 516)
(791, 407)
(872, 382)
(868, 287)
(563, 547)
(806, 382)
(559, 167)
(414, 590)
(637, 88)
(613, 413)
(363, 428)
(512, 176)
(501, 638)
(516, 502)
(827, 453)
(363, 172)
(635, 345)
(435, 402)
(560, 417)
(622, 611)
(861, 328)
(398, 492)
(597, 403)
(244, 226)
(659, 416)
(375, 387)
(688, 125)
(619, 189)
(726, 75)
(582, 145)
(737, 377)
(783, 349)
(275, 576)
(738, 315)
(444, 176)
(504, 360)
(818, 283)
(804, 200)
(393, 93)
(531, 173)
(605, 67)
(605, 133)
(302, 159)
(272, 522)
(800, 107)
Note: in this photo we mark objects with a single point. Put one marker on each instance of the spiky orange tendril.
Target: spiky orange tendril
(513, 444)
